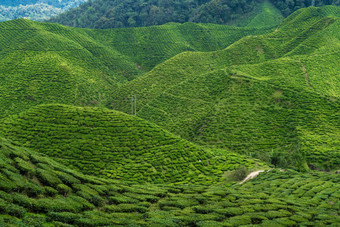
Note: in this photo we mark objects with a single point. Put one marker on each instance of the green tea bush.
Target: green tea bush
(137, 147)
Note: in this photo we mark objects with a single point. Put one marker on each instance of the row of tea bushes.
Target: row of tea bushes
(115, 145)
(36, 191)
(264, 96)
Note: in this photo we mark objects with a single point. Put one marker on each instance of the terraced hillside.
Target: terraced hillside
(268, 96)
(49, 63)
(35, 191)
(115, 145)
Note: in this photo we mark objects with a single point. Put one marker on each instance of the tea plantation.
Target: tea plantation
(115, 145)
(213, 103)
(274, 96)
(50, 63)
(36, 191)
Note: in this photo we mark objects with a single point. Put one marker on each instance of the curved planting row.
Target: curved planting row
(35, 191)
(114, 145)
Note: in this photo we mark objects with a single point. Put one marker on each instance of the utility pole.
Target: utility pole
(134, 105)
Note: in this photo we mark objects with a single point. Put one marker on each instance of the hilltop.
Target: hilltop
(50, 63)
(271, 96)
(115, 145)
(35, 191)
(120, 13)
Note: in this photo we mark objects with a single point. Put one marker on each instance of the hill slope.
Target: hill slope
(263, 95)
(115, 145)
(44, 63)
(35, 191)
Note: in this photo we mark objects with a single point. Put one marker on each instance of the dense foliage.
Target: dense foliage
(34, 9)
(274, 96)
(288, 7)
(36, 191)
(114, 145)
(50, 63)
(122, 13)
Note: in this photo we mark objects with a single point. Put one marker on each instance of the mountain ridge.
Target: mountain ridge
(118, 13)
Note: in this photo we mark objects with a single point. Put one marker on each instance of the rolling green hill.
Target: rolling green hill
(36, 191)
(210, 104)
(115, 145)
(272, 96)
(49, 63)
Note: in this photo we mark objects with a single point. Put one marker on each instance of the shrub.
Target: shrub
(239, 220)
(33, 189)
(240, 173)
(48, 178)
(63, 189)
(16, 210)
(93, 222)
(66, 217)
(50, 191)
(35, 220)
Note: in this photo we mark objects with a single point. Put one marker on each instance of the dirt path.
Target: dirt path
(251, 176)
(304, 70)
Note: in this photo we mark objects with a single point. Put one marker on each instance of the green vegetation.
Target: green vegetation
(288, 7)
(121, 13)
(49, 63)
(273, 96)
(214, 103)
(115, 145)
(37, 191)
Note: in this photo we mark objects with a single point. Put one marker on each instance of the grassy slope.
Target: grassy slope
(269, 100)
(44, 63)
(116, 145)
(36, 191)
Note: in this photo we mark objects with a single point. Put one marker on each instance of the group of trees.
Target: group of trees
(136, 13)
(128, 13)
(288, 6)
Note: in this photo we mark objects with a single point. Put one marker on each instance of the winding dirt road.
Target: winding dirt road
(251, 176)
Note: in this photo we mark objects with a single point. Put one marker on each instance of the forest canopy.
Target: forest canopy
(137, 13)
